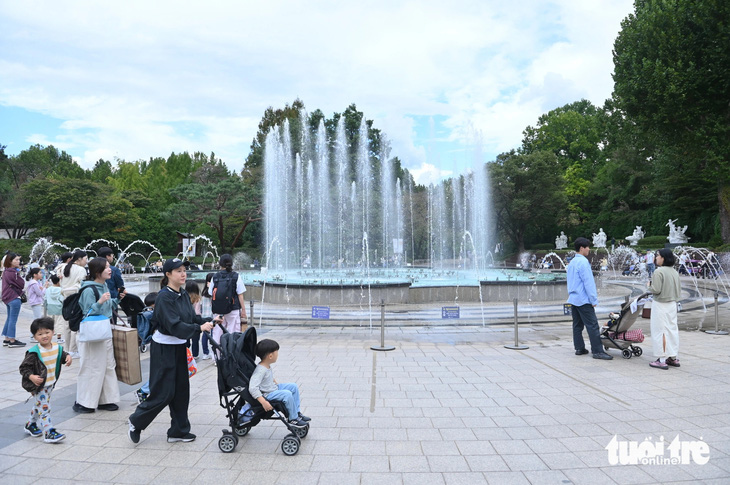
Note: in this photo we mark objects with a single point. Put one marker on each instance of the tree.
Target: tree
(76, 211)
(22, 168)
(223, 202)
(672, 77)
(528, 194)
(575, 134)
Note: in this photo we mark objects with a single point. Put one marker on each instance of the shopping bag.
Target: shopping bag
(192, 365)
(94, 328)
(126, 354)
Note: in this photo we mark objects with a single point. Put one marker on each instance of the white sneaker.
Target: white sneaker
(206, 357)
(60, 340)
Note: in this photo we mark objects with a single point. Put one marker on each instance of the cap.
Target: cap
(174, 263)
(105, 251)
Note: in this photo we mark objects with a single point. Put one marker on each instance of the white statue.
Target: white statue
(676, 234)
(599, 240)
(636, 236)
(561, 242)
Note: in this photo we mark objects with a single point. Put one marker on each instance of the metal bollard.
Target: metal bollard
(382, 330)
(517, 345)
(717, 330)
(250, 312)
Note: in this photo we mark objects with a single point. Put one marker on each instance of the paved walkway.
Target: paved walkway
(450, 405)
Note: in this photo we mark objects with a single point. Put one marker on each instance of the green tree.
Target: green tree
(528, 194)
(672, 77)
(76, 211)
(575, 134)
(17, 170)
(223, 202)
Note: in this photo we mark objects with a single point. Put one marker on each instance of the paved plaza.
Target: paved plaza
(450, 405)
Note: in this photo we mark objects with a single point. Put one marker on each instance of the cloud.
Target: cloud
(155, 77)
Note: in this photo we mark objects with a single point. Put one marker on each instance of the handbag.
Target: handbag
(192, 365)
(126, 354)
(95, 328)
(23, 298)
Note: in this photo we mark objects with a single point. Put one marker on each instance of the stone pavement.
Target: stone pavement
(450, 405)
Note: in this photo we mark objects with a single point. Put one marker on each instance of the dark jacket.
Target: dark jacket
(115, 282)
(174, 315)
(33, 364)
(13, 285)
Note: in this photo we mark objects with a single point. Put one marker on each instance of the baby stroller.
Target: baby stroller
(617, 333)
(236, 358)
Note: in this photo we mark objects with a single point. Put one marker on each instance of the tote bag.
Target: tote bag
(95, 328)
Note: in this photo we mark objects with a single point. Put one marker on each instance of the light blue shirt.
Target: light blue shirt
(581, 286)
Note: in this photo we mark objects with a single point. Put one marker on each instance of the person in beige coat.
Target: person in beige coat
(72, 275)
(664, 331)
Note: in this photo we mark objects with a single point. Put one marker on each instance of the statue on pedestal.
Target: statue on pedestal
(599, 240)
(636, 236)
(561, 242)
(676, 234)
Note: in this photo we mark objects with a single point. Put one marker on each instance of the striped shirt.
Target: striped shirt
(49, 358)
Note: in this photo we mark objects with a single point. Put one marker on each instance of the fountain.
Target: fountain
(323, 192)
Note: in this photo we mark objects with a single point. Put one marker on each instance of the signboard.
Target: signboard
(450, 312)
(188, 247)
(321, 312)
(567, 309)
(397, 246)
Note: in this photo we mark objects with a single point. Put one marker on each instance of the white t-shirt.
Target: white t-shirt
(650, 258)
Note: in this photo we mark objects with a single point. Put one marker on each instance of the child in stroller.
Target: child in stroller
(617, 333)
(236, 356)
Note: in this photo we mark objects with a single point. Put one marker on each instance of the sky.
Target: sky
(451, 84)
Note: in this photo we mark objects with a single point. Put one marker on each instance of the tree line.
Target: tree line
(657, 149)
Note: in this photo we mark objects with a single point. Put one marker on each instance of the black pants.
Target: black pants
(169, 386)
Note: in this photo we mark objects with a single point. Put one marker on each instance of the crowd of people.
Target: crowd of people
(179, 314)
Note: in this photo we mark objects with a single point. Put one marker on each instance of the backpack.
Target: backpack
(144, 327)
(224, 298)
(71, 310)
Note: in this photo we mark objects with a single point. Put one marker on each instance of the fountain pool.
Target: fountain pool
(409, 285)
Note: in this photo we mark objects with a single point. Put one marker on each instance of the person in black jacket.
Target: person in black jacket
(173, 322)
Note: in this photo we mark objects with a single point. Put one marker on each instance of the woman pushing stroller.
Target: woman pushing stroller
(173, 322)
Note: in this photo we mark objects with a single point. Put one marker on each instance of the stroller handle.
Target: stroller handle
(216, 345)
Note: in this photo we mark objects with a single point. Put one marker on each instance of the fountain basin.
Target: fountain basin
(397, 286)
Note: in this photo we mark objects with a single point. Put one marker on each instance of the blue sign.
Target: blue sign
(567, 309)
(450, 312)
(321, 312)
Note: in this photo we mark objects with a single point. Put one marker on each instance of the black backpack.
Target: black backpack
(224, 299)
(72, 312)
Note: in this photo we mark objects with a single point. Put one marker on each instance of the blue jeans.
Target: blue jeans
(289, 395)
(585, 316)
(13, 312)
(145, 387)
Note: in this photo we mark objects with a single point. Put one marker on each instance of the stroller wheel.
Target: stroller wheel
(227, 443)
(626, 353)
(638, 351)
(290, 445)
(302, 432)
(242, 431)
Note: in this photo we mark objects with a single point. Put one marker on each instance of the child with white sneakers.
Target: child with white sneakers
(40, 370)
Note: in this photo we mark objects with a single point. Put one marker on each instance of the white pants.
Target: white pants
(60, 326)
(664, 328)
(232, 322)
(97, 381)
(37, 310)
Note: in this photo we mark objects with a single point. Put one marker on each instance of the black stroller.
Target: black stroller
(617, 333)
(236, 358)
